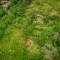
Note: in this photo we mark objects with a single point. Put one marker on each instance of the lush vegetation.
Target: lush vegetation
(29, 29)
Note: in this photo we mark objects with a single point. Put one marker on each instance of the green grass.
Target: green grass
(30, 30)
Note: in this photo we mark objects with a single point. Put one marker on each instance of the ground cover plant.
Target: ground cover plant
(29, 29)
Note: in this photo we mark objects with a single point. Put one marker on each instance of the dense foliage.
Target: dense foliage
(29, 29)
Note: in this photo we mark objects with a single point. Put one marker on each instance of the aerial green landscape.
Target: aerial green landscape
(29, 29)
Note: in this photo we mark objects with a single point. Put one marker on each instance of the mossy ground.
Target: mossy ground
(30, 30)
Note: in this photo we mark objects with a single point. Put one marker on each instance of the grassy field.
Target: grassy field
(29, 29)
